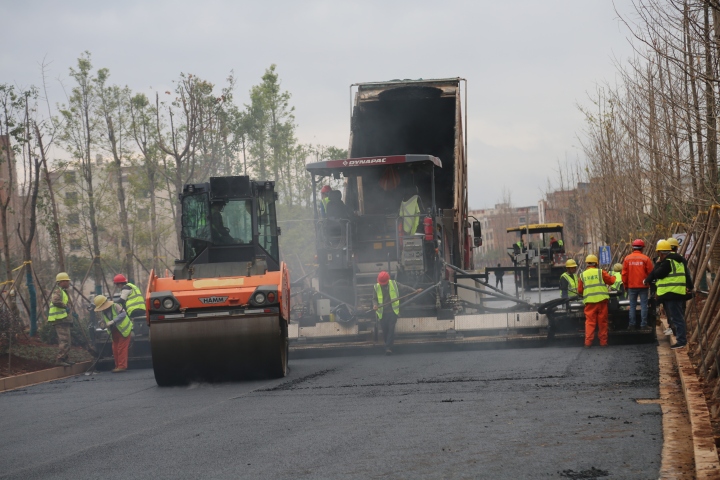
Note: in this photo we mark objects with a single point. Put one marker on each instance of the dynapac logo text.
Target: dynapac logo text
(365, 161)
(213, 300)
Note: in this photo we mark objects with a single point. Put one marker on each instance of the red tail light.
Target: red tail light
(271, 297)
(156, 303)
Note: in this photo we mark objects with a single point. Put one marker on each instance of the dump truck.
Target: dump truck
(542, 260)
(223, 312)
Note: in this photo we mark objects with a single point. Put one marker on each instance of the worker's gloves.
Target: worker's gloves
(109, 324)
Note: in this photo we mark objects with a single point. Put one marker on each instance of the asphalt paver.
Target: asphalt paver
(549, 412)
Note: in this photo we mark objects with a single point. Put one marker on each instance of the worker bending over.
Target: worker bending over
(387, 291)
(569, 280)
(114, 318)
(636, 267)
(673, 283)
(59, 317)
(593, 288)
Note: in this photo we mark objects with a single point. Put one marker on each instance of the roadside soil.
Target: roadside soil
(31, 355)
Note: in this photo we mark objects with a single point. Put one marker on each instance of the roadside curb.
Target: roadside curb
(41, 376)
(707, 465)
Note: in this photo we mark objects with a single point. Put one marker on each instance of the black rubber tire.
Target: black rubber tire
(279, 368)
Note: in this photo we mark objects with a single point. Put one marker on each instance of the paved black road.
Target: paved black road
(553, 412)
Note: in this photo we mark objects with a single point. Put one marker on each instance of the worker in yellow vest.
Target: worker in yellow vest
(618, 285)
(593, 286)
(131, 297)
(387, 291)
(114, 318)
(673, 282)
(59, 317)
(569, 280)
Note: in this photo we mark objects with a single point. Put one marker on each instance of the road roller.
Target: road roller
(222, 315)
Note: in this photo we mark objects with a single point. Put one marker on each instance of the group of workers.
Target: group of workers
(669, 276)
(115, 317)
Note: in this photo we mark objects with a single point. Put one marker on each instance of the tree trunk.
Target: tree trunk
(55, 230)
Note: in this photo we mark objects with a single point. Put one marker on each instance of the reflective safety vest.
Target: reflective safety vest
(410, 211)
(393, 289)
(135, 300)
(674, 282)
(560, 243)
(56, 314)
(618, 280)
(125, 325)
(519, 243)
(324, 202)
(594, 289)
(572, 280)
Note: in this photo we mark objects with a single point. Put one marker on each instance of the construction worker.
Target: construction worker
(674, 245)
(673, 282)
(324, 199)
(59, 317)
(499, 277)
(636, 267)
(131, 297)
(386, 291)
(618, 285)
(410, 214)
(519, 246)
(568, 280)
(556, 244)
(114, 318)
(593, 288)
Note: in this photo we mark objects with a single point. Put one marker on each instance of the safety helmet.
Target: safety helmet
(638, 243)
(120, 278)
(383, 278)
(617, 267)
(570, 263)
(101, 303)
(663, 246)
(62, 276)
(325, 189)
(591, 259)
(673, 242)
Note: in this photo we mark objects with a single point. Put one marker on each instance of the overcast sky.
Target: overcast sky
(528, 63)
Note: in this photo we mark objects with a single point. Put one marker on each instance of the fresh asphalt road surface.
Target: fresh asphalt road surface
(547, 412)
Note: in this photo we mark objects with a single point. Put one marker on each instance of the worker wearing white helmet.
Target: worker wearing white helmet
(59, 317)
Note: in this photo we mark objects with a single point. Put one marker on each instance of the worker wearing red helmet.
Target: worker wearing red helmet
(131, 297)
(636, 268)
(387, 291)
(324, 198)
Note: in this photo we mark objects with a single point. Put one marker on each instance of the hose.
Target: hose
(92, 367)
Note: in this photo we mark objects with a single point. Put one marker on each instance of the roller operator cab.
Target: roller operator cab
(540, 251)
(223, 314)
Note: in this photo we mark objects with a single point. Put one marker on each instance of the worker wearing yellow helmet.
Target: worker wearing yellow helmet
(673, 281)
(569, 280)
(59, 317)
(114, 318)
(618, 285)
(593, 286)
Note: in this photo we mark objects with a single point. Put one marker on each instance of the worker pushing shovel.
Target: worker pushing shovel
(389, 289)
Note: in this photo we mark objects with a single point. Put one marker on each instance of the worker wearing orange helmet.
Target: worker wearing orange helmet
(131, 297)
(593, 286)
(387, 291)
(636, 267)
